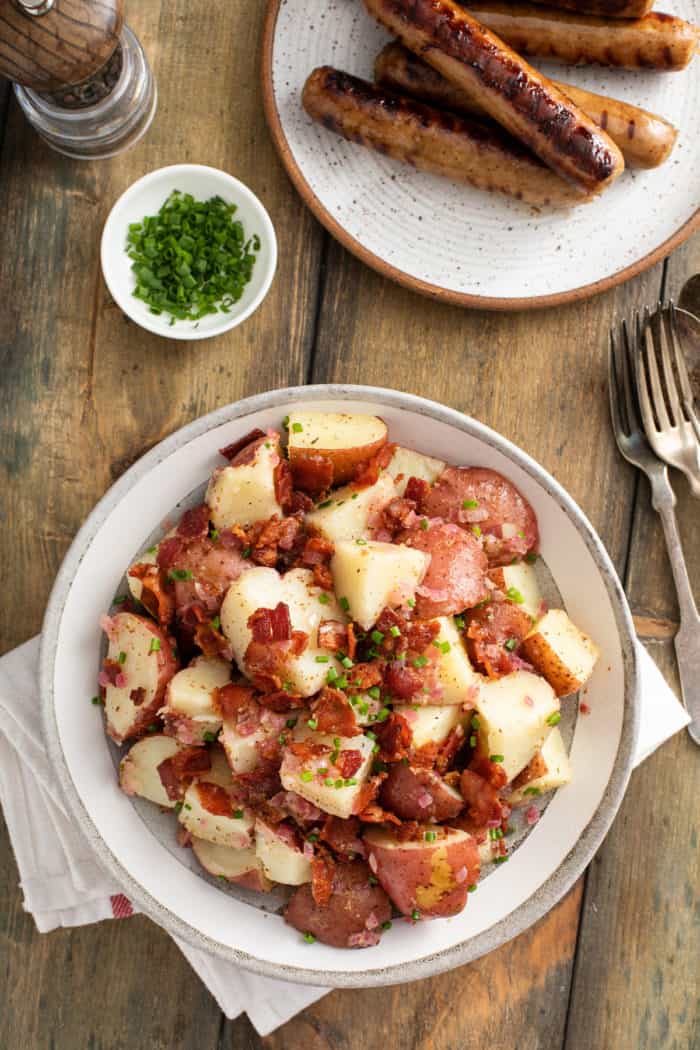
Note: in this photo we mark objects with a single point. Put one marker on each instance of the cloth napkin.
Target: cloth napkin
(63, 885)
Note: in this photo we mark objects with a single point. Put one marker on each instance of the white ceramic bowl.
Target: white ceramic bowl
(145, 197)
(137, 843)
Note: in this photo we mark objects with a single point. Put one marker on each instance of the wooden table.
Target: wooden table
(85, 392)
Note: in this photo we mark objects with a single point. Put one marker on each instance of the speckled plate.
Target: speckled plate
(137, 844)
(456, 243)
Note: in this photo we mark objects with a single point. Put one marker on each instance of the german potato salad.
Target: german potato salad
(339, 673)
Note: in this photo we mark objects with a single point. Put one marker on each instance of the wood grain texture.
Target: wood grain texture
(84, 393)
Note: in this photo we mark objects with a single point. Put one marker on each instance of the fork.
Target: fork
(670, 423)
(633, 445)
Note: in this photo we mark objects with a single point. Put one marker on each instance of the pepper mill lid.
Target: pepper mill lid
(47, 44)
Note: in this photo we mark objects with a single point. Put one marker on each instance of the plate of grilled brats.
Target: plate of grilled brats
(502, 155)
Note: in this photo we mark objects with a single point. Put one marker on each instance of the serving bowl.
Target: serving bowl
(145, 197)
(140, 850)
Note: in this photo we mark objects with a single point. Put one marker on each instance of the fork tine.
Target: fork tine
(627, 356)
(642, 387)
(673, 400)
(682, 369)
(619, 428)
(657, 394)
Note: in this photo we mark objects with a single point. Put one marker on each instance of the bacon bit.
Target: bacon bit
(348, 762)
(312, 473)
(394, 738)
(532, 815)
(424, 756)
(230, 452)
(417, 490)
(364, 676)
(398, 514)
(111, 670)
(214, 799)
(137, 696)
(484, 805)
(293, 805)
(300, 503)
(351, 643)
(266, 539)
(259, 786)
(212, 642)
(176, 773)
(229, 700)
(368, 792)
(343, 837)
(284, 486)
(307, 751)
(493, 772)
(450, 747)
(156, 592)
(584, 708)
(409, 830)
(271, 625)
(266, 661)
(334, 714)
(194, 523)
(169, 551)
(332, 635)
(367, 473)
(488, 630)
(322, 871)
(403, 682)
(280, 701)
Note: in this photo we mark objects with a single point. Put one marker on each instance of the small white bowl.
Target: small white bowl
(145, 197)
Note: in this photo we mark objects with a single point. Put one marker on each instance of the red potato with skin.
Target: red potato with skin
(241, 867)
(456, 575)
(481, 500)
(354, 915)
(140, 662)
(327, 448)
(430, 878)
(419, 794)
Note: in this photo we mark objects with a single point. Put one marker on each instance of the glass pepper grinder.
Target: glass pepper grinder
(81, 76)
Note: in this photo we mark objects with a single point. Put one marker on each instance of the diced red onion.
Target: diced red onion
(371, 921)
(308, 849)
(120, 680)
(372, 861)
(103, 679)
(584, 708)
(532, 815)
(424, 800)
(528, 701)
(493, 823)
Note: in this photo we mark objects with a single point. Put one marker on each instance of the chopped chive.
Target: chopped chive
(329, 782)
(361, 542)
(214, 535)
(511, 644)
(155, 645)
(424, 524)
(312, 723)
(313, 837)
(472, 741)
(430, 836)
(322, 659)
(332, 675)
(238, 814)
(554, 719)
(470, 504)
(216, 623)
(347, 663)
(383, 714)
(415, 915)
(285, 422)
(326, 503)
(122, 657)
(209, 737)
(363, 709)
(476, 529)
(96, 700)
(306, 775)
(374, 692)
(370, 734)
(377, 637)
(372, 880)
(339, 783)
(344, 604)
(180, 574)
(309, 938)
(472, 888)
(500, 860)
(531, 557)
(297, 428)
(291, 722)
(246, 553)
(411, 603)
(532, 791)
(459, 623)
(153, 728)
(394, 632)
(323, 598)
(514, 595)
(282, 739)
(187, 805)
(153, 549)
(120, 599)
(420, 661)
(476, 724)
(386, 925)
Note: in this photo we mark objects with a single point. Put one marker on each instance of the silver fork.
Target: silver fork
(670, 423)
(633, 445)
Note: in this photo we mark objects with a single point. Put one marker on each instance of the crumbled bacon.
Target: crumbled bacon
(230, 452)
(267, 539)
(111, 671)
(493, 772)
(399, 514)
(401, 681)
(229, 700)
(343, 837)
(137, 696)
(348, 762)
(332, 635)
(293, 805)
(316, 555)
(284, 487)
(450, 747)
(484, 805)
(271, 625)
(368, 792)
(416, 490)
(156, 594)
(374, 814)
(489, 628)
(169, 550)
(334, 714)
(365, 676)
(259, 785)
(322, 871)
(394, 737)
(367, 473)
(176, 773)
(214, 799)
(211, 641)
(194, 523)
(280, 700)
(312, 473)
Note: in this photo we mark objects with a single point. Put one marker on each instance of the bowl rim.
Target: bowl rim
(232, 319)
(559, 881)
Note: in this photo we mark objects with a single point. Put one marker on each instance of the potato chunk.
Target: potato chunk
(210, 810)
(320, 779)
(563, 654)
(351, 511)
(519, 583)
(262, 588)
(240, 866)
(373, 576)
(189, 699)
(457, 680)
(406, 463)
(138, 770)
(244, 492)
(558, 771)
(278, 851)
(516, 713)
(431, 724)
(346, 441)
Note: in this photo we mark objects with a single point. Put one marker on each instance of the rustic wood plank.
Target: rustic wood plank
(85, 392)
(514, 989)
(635, 984)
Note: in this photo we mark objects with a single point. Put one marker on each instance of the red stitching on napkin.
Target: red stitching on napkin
(121, 906)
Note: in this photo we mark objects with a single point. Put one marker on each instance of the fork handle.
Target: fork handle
(687, 640)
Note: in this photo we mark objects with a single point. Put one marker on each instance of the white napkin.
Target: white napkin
(63, 884)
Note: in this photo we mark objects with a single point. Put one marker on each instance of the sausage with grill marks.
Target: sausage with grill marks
(432, 140)
(645, 140)
(514, 94)
(656, 41)
(606, 8)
